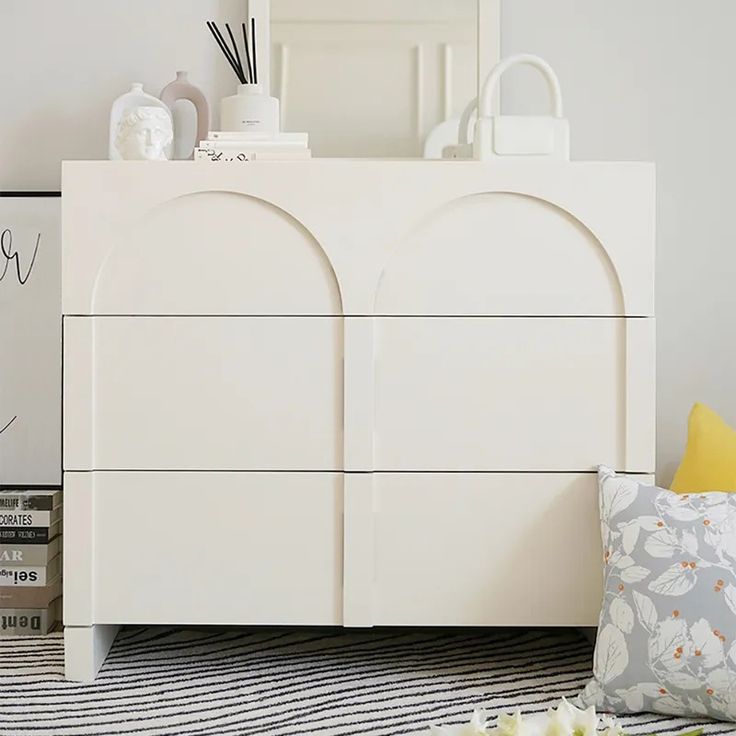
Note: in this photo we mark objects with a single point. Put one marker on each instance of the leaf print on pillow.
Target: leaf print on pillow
(670, 705)
(682, 513)
(650, 523)
(696, 706)
(663, 543)
(729, 595)
(629, 535)
(622, 615)
(622, 563)
(635, 574)
(633, 698)
(719, 681)
(690, 543)
(707, 647)
(646, 611)
(611, 655)
(683, 680)
(592, 695)
(616, 496)
(669, 644)
(677, 579)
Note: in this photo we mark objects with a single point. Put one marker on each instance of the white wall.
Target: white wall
(654, 81)
(647, 80)
(63, 62)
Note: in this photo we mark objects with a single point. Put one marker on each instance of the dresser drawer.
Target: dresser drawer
(487, 549)
(203, 548)
(203, 393)
(484, 393)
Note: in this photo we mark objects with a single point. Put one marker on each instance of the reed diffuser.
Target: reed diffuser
(251, 110)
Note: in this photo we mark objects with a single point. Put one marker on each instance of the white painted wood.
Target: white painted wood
(78, 393)
(377, 317)
(30, 340)
(336, 202)
(207, 393)
(358, 382)
(641, 394)
(393, 69)
(487, 549)
(504, 394)
(80, 533)
(358, 550)
(258, 548)
(85, 649)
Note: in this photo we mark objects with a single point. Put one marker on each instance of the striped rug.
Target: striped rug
(283, 682)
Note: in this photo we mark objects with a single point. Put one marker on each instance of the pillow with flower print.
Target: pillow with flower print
(667, 634)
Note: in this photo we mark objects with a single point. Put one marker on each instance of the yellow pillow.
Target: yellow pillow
(709, 463)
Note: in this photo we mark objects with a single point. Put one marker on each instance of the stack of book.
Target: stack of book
(30, 560)
(226, 146)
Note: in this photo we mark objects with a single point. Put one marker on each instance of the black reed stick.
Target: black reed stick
(215, 31)
(226, 49)
(246, 45)
(237, 54)
(255, 54)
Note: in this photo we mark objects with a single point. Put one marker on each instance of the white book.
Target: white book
(30, 518)
(244, 154)
(30, 575)
(253, 145)
(227, 135)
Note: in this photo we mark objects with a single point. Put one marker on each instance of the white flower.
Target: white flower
(517, 725)
(611, 727)
(567, 720)
(478, 726)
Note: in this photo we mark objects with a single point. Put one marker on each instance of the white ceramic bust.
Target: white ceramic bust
(143, 134)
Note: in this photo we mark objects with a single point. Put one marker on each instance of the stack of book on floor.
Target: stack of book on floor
(30, 561)
(226, 146)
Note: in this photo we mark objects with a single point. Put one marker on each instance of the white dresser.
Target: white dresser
(356, 393)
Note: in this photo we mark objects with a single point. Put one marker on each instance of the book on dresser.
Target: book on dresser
(30, 560)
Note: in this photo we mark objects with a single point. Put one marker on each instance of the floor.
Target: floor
(283, 682)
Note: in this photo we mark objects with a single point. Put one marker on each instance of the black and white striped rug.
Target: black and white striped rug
(283, 682)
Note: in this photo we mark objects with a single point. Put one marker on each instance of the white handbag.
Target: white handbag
(514, 137)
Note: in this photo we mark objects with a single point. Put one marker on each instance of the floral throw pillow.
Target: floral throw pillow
(667, 634)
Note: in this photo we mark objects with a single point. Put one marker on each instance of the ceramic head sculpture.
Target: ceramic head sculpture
(143, 134)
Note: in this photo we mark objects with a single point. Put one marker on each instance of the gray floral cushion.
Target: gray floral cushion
(667, 635)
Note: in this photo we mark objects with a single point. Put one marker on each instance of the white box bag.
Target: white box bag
(514, 137)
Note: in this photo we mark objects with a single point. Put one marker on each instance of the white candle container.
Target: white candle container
(250, 110)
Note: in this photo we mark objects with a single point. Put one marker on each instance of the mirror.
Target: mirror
(375, 78)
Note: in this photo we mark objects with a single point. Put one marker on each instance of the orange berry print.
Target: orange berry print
(684, 563)
(722, 638)
(706, 522)
(698, 653)
(675, 613)
(717, 588)
(693, 565)
(709, 691)
(716, 633)
(679, 650)
(720, 583)
(620, 587)
(677, 655)
(662, 691)
(660, 524)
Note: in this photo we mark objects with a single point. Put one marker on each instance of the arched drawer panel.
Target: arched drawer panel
(500, 254)
(214, 253)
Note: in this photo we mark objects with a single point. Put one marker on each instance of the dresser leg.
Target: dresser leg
(85, 649)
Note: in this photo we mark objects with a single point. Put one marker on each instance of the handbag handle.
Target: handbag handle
(492, 80)
(464, 134)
